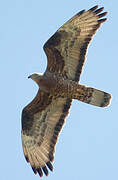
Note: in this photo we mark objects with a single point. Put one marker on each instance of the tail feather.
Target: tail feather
(100, 98)
(92, 96)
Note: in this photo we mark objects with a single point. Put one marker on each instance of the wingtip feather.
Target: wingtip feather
(40, 172)
(98, 13)
(27, 159)
(49, 165)
(102, 20)
(34, 170)
(93, 8)
(102, 15)
(99, 10)
(45, 170)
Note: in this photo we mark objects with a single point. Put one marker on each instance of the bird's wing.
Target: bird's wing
(66, 49)
(42, 121)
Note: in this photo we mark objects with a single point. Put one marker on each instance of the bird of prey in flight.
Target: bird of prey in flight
(43, 118)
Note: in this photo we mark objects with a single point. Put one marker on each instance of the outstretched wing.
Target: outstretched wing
(42, 121)
(66, 49)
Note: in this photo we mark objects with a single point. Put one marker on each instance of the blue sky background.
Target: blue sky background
(88, 145)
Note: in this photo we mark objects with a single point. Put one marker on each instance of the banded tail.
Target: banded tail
(92, 96)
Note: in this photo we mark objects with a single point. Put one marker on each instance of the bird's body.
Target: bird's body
(43, 118)
(60, 86)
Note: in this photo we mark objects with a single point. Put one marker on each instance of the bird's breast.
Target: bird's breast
(48, 84)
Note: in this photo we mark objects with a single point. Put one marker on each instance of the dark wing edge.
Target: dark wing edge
(97, 13)
(40, 138)
(72, 40)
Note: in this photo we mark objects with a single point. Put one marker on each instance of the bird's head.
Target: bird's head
(35, 77)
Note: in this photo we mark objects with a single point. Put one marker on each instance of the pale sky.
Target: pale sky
(87, 148)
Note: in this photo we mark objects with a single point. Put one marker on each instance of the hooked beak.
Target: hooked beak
(29, 77)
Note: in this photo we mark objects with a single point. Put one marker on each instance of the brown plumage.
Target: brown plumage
(43, 118)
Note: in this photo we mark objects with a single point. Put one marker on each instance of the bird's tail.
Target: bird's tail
(92, 96)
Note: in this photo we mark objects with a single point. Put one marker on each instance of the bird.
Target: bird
(44, 117)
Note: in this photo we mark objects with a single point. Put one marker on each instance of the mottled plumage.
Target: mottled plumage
(43, 118)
